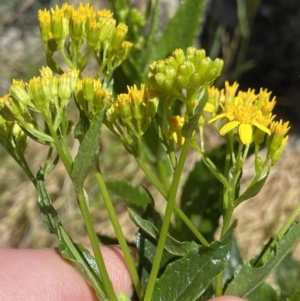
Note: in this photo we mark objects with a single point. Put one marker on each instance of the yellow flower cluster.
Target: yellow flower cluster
(46, 94)
(96, 28)
(246, 113)
(134, 110)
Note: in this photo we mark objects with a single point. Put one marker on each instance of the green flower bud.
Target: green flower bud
(191, 51)
(275, 143)
(210, 75)
(160, 79)
(172, 62)
(168, 85)
(151, 107)
(204, 65)
(196, 80)
(186, 69)
(160, 66)
(218, 64)
(170, 72)
(181, 81)
(179, 56)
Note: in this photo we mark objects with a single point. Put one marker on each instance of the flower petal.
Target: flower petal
(228, 127)
(217, 117)
(209, 107)
(245, 132)
(262, 127)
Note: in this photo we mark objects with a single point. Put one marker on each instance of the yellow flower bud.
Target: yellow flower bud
(10, 109)
(92, 35)
(44, 18)
(119, 36)
(77, 26)
(18, 91)
(89, 86)
(107, 27)
(124, 106)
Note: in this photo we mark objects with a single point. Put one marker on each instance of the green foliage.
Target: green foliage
(200, 197)
(247, 277)
(133, 196)
(87, 153)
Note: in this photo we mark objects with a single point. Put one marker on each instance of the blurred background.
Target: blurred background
(259, 41)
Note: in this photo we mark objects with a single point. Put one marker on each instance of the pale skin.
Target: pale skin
(43, 275)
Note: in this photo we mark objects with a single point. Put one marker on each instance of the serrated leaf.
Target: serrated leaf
(131, 195)
(188, 277)
(247, 278)
(254, 188)
(146, 251)
(172, 245)
(179, 33)
(87, 152)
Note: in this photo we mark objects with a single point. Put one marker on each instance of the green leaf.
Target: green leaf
(172, 245)
(263, 292)
(288, 276)
(131, 195)
(49, 216)
(83, 261)
(179, 33)
(146, 246)
(87, 152)
(247, 278)
(188, 277)
(254, 188)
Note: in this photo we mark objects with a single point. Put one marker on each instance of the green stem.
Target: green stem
(166, 222)
(177, 209)
(262, 260)
(95, 246)
(119, 233)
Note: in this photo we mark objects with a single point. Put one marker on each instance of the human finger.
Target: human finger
(44, 275)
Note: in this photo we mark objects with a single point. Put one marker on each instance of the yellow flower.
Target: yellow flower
(177, 123)
(243, 117)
